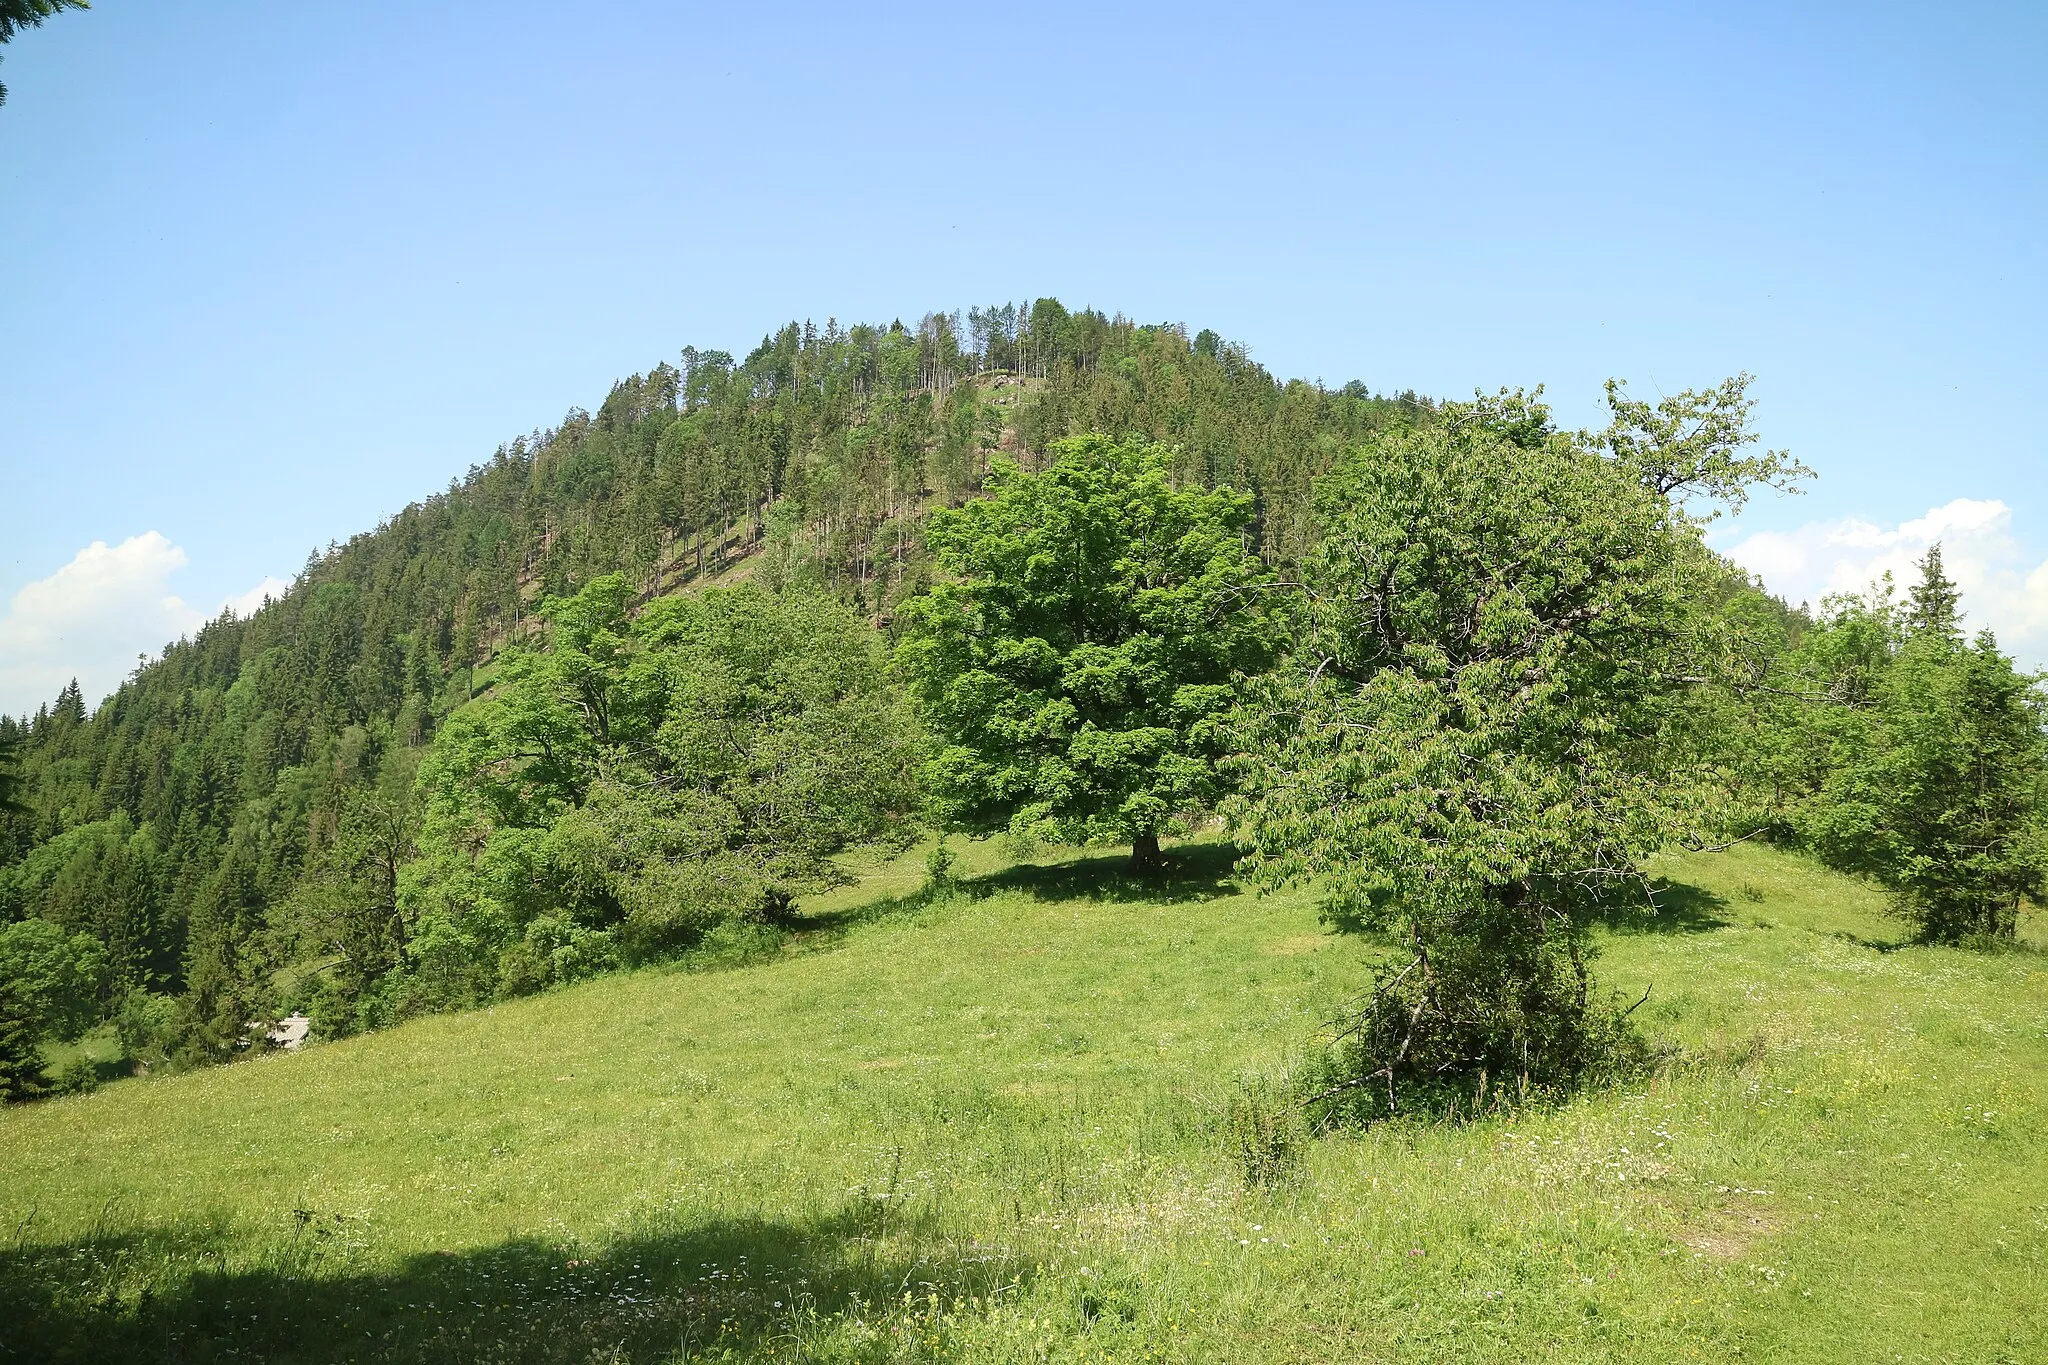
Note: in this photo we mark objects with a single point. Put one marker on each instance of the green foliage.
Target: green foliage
(345, 909)
(57, 978)
(640, 781)
(940, 875)
(1690, 445)
(1490, 721)
(1935, 605)
(147, 1025)
(21, 1057)
(1916, 758)
(11, 783)
(1961, 781)
(1096, 629)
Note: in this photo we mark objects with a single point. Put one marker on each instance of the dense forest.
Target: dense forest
(629, 686)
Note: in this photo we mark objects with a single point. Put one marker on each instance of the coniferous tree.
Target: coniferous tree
(1934, 606)
(1959, 777)
(12, 785)
(21, 1060)
(1913, 757)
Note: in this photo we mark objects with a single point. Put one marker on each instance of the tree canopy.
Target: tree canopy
(639, 781)
(1489, 722)
(1916, 757)
(1094, 631)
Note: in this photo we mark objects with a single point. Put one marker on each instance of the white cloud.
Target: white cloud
(92, 618)
(2000, 588)
(246, 604)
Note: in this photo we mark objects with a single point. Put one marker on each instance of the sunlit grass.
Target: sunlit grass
(987, 1129)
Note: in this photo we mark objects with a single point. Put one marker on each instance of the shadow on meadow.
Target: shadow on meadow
(1190, 872)
(192, 1293)
(1676, 908)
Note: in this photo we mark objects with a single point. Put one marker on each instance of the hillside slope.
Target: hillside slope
(174, 822)
(1001, 1128)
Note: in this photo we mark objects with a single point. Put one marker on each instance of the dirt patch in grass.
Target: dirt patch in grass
(1296, 945)
(1727, 1232)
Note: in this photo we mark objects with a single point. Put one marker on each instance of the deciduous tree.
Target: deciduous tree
(1488, 724)
(1097, 627)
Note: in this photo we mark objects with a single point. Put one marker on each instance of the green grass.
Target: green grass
(990, 1130)
(100, 1049)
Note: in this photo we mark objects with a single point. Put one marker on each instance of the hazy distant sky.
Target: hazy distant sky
(270, 271)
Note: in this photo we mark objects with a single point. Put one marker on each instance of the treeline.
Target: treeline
(174, 826)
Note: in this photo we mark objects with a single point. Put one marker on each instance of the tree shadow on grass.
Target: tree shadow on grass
(1876, 945)
(1190, 872)
(192, 1293)
(1675, 908)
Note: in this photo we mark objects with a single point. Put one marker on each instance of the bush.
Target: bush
(148, 1027)
(79, 1076)
(1480, 1024)
(1260, 1132)
(939, 876)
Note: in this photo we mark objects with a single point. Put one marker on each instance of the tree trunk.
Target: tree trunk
(1145, 857)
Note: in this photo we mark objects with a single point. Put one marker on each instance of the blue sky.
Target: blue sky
(272, 271)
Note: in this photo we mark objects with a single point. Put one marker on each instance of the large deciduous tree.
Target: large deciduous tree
(50, 987)
(640, 781)
(1492, 718)
(1095, 630)
(59, 977)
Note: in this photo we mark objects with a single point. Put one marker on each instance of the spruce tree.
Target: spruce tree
(12, 786)
(1960, 782)
(1933, 608)
(21, 1061)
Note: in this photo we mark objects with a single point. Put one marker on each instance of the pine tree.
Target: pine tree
(12, 786)
(21, 1061)
(1933, 606)
(1960, 782)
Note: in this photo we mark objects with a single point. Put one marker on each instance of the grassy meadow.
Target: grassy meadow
(1038, 1121)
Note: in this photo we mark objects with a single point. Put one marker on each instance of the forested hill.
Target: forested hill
(174, 823)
